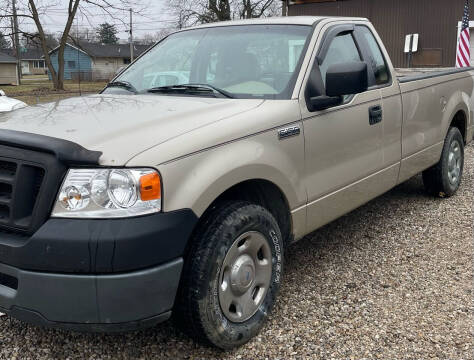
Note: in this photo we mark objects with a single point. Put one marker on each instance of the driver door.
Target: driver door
(343, 149)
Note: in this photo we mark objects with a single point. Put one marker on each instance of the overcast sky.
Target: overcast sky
(152, 20)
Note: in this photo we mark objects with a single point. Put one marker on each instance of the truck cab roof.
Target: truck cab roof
(287, 20)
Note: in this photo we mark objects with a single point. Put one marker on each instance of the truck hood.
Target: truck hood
(122, 126)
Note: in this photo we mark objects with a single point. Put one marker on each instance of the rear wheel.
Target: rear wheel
(231, 276)
(445, 177)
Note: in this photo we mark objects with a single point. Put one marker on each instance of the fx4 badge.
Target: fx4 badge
(289, 132)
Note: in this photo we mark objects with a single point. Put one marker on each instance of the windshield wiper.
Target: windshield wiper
(122, 84)
(193, 88)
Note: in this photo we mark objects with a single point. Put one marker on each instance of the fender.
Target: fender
(195, 182)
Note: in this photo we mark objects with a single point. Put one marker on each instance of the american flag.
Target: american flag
(463, 55)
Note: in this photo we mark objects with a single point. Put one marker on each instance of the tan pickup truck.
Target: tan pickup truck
(179, 188)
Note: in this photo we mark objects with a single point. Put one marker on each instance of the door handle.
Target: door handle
(375, 114)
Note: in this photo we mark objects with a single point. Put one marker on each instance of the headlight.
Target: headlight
(108, 193)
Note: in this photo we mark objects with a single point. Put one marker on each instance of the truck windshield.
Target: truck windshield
(254, 61)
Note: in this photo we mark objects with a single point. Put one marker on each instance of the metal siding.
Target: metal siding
(71, 54)
(435, 20)
(106, 68)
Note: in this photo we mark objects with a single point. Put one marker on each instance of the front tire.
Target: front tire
(444, 178)
(231, 276)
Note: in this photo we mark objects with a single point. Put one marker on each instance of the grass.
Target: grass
(34, 77)
(40, 90)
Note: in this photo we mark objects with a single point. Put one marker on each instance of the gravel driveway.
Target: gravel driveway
(391, 280)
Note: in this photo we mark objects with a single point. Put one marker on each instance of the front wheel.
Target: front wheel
(444, 178)
(232, 275)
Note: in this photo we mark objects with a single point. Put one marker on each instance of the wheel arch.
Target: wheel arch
(457, 114)
(264, 193)
(460, 121)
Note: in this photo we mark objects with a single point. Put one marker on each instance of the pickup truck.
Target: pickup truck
(121, 209)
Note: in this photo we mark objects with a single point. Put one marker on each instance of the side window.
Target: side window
(342, 49)
(377, 61)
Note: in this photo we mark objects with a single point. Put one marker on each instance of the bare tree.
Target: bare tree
(37, 10)
(32, 41)
(254, 9)
(4, 42)
(87, 35)
(151, 39)
(192, 12)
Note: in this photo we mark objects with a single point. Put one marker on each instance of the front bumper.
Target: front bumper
(95, 275)
(107, 303)
(103, 246)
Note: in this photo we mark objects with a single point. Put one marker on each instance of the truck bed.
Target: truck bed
(410, 74)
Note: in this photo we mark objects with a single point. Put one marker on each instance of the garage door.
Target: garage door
(7, 74)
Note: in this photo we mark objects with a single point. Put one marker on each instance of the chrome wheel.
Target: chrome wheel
(245, 276)
(454, 162)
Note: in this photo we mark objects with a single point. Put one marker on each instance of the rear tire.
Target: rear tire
(444, 178)
(231, 275)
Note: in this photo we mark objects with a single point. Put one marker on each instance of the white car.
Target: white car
(9, 104)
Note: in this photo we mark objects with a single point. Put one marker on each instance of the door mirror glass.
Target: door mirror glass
(346, 79)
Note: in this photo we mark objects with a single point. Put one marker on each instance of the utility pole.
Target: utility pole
(16, 41)
(78, 57)
(131, 35)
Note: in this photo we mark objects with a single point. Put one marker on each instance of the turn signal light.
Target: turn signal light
(150, 187)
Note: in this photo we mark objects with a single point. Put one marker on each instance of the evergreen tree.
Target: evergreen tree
(107, 34)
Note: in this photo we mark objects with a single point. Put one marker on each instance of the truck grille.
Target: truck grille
(28, 184)
(16, 208)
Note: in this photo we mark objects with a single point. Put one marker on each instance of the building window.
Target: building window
(71, 64)
(38, 64)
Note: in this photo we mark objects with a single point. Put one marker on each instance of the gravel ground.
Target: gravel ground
(391, 280)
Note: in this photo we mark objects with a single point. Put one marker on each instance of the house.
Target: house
(94, 61)
(436, 21)
(8, 70)
(32, 61)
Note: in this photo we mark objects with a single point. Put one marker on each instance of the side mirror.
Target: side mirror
(346, 79)
(341, 79)
(323, 102)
